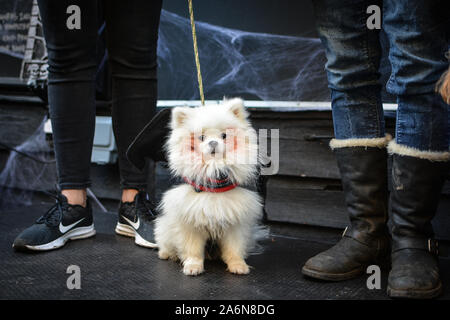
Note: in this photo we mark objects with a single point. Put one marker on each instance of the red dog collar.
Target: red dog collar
(212, 185)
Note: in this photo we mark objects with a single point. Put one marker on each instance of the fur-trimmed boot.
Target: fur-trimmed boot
(363, 167)
(417, 180)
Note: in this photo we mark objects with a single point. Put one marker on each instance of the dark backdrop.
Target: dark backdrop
(277, 17)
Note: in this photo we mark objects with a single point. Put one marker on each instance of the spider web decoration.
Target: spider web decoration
(238, 63)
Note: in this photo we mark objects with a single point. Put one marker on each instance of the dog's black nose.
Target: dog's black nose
(213, 144)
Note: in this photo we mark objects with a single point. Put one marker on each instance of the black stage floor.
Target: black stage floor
(113, 267)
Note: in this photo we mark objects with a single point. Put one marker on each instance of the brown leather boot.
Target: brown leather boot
(417, 179)
(363, 167)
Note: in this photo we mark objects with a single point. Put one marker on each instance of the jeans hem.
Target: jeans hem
(135, 186)
(76, 185)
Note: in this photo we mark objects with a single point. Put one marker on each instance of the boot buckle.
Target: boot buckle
(433, 246)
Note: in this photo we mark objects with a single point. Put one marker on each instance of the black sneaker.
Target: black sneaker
(61, 223)
(136, 220)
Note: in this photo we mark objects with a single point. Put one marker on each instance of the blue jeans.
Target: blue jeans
(417, 32)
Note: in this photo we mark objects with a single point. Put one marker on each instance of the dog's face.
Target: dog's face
(208, 141)
(211, 142)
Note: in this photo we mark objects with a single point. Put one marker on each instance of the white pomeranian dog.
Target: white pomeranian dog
(214, 150)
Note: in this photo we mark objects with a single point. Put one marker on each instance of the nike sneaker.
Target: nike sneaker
(60, 223)
(136, 220)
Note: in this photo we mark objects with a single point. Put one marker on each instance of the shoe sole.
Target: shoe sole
(74, 234)
(128, 231)
(332, 276)
(415, 294)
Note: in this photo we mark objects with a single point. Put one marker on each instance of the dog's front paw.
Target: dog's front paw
(193, 268)
(239, 268)
(163, 254)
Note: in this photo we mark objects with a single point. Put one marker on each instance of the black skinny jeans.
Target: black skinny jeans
(132, 35)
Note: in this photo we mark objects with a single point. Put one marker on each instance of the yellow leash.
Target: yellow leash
(197, 60)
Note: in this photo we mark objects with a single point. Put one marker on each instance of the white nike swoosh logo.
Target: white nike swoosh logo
(64, 229)
(135, 225)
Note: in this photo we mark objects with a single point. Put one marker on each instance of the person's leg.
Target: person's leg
(417, 36)
(353, 57)
(71, 91)
(132, 34)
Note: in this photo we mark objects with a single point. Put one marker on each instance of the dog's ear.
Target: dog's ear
(236, 106)
(179, 116)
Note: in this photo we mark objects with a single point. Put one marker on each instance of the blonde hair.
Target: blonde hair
(443, 85)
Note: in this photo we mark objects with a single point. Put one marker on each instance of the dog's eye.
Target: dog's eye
(202, 137)
(224, 136)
